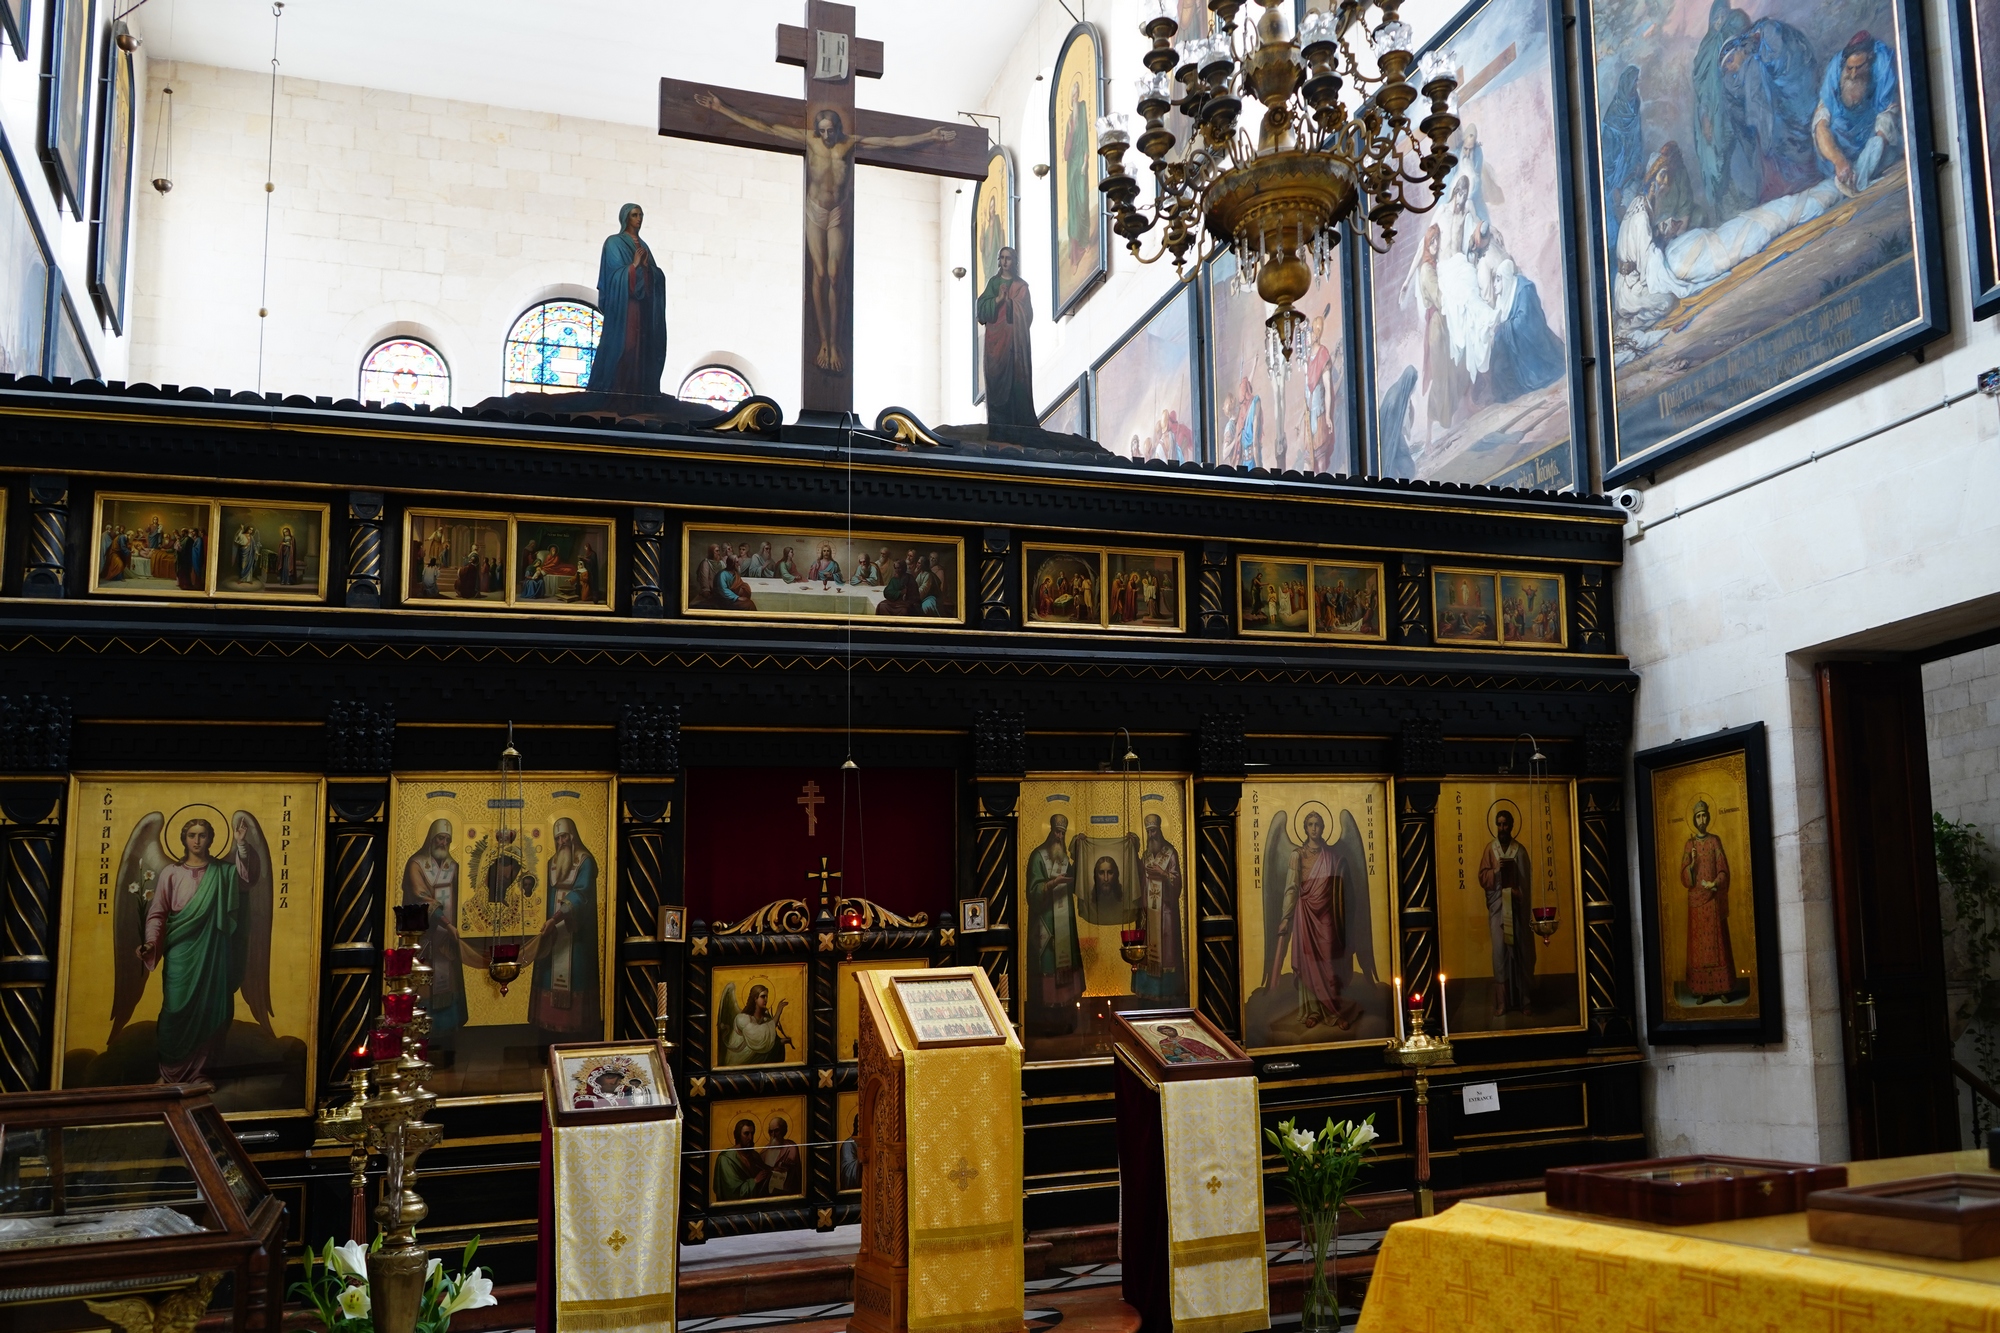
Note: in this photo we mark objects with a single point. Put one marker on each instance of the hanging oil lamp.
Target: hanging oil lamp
(1543, 914)
(1132, 938)
(503, 959)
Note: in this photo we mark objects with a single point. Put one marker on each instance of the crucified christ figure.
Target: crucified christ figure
(829, 165)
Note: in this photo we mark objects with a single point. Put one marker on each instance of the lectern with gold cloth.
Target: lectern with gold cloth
(1190, 1176)
(611, 1155)
(940, 1149)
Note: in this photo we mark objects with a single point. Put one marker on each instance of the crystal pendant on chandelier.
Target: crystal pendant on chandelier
(1290, 137)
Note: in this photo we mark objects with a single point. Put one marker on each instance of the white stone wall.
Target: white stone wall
(1962, 724)
(395, 213)
(1890, 544)
(68, 237)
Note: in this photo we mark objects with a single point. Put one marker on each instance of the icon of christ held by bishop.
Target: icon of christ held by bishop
(196, 910)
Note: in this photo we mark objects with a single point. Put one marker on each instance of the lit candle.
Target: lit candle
(1416, 1013)
(1444, 1007)
(1399, 1011)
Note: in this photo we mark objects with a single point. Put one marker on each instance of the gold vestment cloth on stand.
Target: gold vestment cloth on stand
(962, 1109)
(1215, 1205)
(617, 1194)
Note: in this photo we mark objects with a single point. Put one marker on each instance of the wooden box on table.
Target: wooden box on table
(1953, 1216)
(1683, 1191)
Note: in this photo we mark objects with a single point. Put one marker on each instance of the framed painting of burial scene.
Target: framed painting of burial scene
(759, 1015)
(1078, 237)
(1508, 903)
(270, 550)
(784, 573)
(1070, 414)
(1976, 39)
(1142, 391)
(519, 887)
(994, 210)
(1316, 906)
(1707, 896)
(1764, 212)
(1474, 311)
(1103, 862)
(153, 546)
(762, 1161)
(188, 908)
(1301, 417)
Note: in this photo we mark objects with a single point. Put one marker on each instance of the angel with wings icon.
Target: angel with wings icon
(1316, 916)
(194, 905)
(753, 1034)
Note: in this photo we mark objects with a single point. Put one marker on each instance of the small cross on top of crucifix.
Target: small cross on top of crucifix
(825, 878)
(810, 798)
(833, 135)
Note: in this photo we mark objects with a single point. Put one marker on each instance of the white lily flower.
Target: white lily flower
(1303, 1140)
(354, 1301)
(350, 1259)
(473, 1293)
(431, 1272)
(1364, 1134)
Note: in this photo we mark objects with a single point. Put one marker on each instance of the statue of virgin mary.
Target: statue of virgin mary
(632, 350)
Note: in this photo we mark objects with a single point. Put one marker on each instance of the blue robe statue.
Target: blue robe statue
(632, 350)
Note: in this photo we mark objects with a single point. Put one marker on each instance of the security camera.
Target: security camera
(1629, 498)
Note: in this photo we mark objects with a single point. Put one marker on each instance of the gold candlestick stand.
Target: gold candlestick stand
(1419, 1052)
(347, 1125)
(397, 1129)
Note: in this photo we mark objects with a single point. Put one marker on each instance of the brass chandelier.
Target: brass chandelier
(1276, 187)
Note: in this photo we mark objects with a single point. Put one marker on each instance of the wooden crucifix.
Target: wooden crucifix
(832, 134)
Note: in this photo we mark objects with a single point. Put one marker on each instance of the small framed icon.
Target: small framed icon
(673, 925)
(971, 915)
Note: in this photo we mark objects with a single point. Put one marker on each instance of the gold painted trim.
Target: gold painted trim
(511, 521)
(1310, 633)
(958, 618)
(315, 879)
(1583, 1091)
(905, 429)
(1390, 858)
(1103, 554)
(1022, 851)
(1500, 642)
(608, 874)
(1068, 1099)
(750, 416)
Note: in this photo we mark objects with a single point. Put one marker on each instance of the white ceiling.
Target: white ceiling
(600, 59)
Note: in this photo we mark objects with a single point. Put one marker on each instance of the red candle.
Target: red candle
(385, 1044)
(399, 1009)
(397, 962)
(506, 953)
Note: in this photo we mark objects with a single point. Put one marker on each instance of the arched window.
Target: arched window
(551, 347)
(719, 385)
(405, 370)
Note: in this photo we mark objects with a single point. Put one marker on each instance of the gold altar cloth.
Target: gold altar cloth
(1215, 1205)
(1512, 1263)
(617, 1190)
(962, 1119)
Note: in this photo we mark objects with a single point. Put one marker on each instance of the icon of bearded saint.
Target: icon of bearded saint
(194, 904)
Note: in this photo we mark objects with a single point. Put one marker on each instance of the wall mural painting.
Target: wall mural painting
(822, 574)
(1316, 893)
(759, 1015)
(1976, 35)
(762, 1161)
(1760, 230)
(1071, 413)
(541, 885)
(1079, 238)
(24, 275)
(993, 230)
(189, 904)
(1301, 419)
(1099, 856)
(1506, 861)
(1143, 390)
(153, 546)
(1474, 306)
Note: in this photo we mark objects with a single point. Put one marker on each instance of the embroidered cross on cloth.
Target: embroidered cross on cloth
(1215, 1205)
(617, 1188)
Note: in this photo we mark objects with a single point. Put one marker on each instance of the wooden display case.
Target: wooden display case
(1952, 1216)
(1682, 1191)
(133, 1193)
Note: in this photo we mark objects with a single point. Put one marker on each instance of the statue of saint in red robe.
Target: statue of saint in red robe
(1007, 312)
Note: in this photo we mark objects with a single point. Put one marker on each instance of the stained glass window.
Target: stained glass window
(551, 347)
(405, 370)
(714, 384)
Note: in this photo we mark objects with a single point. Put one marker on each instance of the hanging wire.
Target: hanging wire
(163, 140)
(270, 160)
